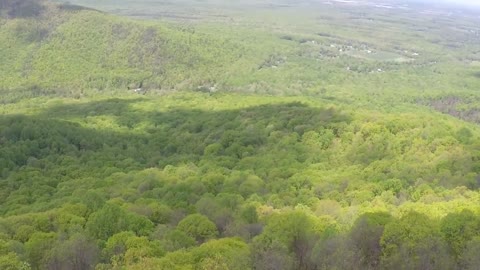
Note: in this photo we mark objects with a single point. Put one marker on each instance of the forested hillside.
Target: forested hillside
(138, 144)
(67, 49)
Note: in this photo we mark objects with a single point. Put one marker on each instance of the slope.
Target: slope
(64, 47)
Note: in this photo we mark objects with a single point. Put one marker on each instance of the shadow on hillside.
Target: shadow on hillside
(150, 139)
(49, 155)
(72, 7)
(110, 107)
(22, 8)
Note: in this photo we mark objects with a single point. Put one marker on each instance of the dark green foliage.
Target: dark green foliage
(76, 253)
(365, 237)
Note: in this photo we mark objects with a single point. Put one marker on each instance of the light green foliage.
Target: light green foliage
(176, 239)
(125, 250)
(459, 228)
(198, 227)
(288, 228)
(107, 221)
(179, 260)
(249, 214)
(10, 261)
(88, 49)
(38, 248)
(299, 136)
(160, 213)
(227, 253)
(111, 219)
(416, 237)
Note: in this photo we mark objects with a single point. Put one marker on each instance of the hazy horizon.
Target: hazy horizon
(455, 2)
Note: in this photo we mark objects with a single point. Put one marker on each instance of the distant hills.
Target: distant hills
(59, 46)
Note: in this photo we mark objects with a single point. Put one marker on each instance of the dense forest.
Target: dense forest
(145, 144)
